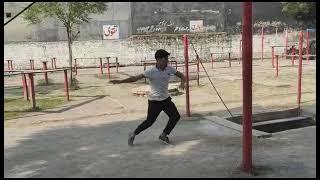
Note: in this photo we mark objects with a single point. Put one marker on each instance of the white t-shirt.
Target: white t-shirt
(159, 81)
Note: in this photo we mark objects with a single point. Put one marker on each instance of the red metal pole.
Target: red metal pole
(262, 38)
(308, 50)
(198, 61)
(247, 86)
(55, 63)
(117, 63)
(272, 54)
(52, 65)
(11, 65)
(108, 68)
(101, 70)
(25, 87)
(144, 68)
(240, 50)
(293, 53)
(8, 65)
(33, 95)
(186, 61)
(45, 74)
(277, 56)
(66, 86)
(300, 67)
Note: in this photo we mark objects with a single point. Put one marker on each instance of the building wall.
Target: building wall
(118, 13)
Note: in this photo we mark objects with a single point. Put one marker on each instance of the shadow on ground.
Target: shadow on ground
(102, 151)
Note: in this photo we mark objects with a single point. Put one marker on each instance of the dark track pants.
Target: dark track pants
(154, 109)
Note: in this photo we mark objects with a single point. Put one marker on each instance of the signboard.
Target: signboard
(110, 32)
(196, 26)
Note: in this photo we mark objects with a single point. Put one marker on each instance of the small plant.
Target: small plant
(74, 84)
(42, 82)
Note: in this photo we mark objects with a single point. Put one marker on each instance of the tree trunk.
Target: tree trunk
(70, 52)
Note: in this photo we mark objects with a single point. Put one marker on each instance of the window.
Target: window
(8, 15)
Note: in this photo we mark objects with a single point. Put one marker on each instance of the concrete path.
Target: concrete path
(96, 147)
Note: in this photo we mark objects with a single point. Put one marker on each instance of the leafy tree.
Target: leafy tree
(302, 12)
(70, 14)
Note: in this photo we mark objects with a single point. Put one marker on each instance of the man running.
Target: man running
(159, 99)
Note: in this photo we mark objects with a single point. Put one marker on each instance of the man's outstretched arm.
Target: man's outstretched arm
(183, 79)
(128, 80)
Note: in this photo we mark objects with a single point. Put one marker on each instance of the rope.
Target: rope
(210, 79)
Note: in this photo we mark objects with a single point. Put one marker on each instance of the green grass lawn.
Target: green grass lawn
(16, 107)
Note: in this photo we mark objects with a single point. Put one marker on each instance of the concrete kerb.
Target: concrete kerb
(228, 124)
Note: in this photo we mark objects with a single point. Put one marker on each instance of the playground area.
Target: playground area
(87, 136)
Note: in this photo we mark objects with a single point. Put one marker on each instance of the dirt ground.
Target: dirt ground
(99, 103)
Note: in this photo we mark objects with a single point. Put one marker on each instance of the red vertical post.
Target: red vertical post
(272, 54)
(198, 61)
(144, 68)
(307, 48)
(186, 62)
(75, 66)
(66, 86)
(101, 70)
(300, 67)
(277, 73)
(11, 65)
(247, 86)
(262, 38)
(240, 50)
(117, 64)
(108, 67)
(286, 43)
(55, 63)
(45, 74)
(32, 90)
(25, 87)
(52, 64)
(8, 65)
(293, 53)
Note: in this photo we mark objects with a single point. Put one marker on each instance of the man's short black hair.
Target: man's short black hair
(161, 53)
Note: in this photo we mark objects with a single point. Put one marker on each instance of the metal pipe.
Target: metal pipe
(66, 86)
(247, 86)
(300, 67)
(186, 62)
(32, 90)
(262, 38)
(45, 74)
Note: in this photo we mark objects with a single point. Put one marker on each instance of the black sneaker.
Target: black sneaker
(131, 139)
(164, 139)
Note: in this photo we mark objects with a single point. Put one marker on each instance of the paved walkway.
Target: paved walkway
(96, 147)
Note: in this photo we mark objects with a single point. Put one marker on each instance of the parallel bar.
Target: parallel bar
(186, 61)
(308, 48)
(66, 85)
(25, 87)
(247, 87)
(272, 54)
(101, 70)
(32, 90)
(277, 61)
(45, 74)
(300, 67)
(262, 38)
